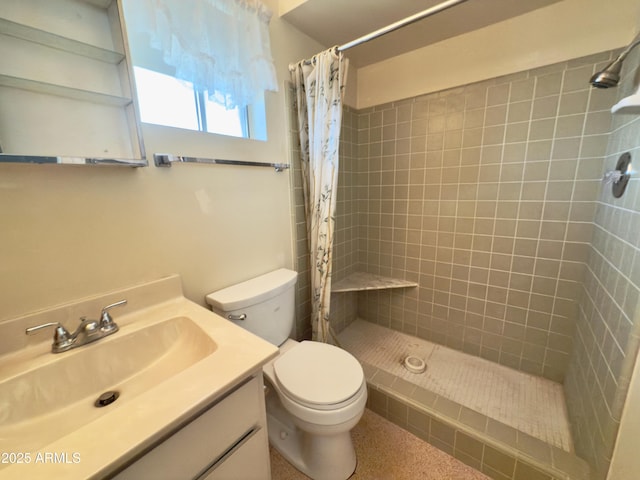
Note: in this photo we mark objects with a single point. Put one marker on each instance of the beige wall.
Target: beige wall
(69, 232)
(568, 29)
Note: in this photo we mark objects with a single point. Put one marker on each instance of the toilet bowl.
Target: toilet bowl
(309, 422)
(315, 392)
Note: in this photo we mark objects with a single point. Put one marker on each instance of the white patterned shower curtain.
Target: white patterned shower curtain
(319, 85)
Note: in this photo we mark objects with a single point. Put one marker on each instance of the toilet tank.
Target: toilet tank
(263, 305)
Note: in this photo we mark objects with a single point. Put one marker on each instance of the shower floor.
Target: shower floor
(531, 404)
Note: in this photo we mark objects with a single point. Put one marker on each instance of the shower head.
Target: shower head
(610, 75)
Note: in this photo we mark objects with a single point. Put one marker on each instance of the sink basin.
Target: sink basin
(170, 361)
(57, 396)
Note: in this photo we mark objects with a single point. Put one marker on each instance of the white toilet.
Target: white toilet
(320, 390)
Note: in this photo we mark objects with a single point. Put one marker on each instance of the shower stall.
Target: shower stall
(487, 200)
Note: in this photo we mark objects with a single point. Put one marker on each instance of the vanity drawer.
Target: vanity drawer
(207, 439)
(249, 461)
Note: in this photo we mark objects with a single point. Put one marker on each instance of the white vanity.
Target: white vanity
(190, 401)
(227, 441)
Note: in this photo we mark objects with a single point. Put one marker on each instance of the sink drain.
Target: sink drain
(414, 364)
(107, 398)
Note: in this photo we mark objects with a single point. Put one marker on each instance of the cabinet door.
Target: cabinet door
(250, 461)
(208, 440)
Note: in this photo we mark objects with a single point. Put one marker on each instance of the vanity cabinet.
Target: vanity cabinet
(66, 84)
(227, 441)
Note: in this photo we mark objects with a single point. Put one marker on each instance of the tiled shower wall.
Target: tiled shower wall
(606, 342)
(344, 306)
(490, 196)
(485, 195)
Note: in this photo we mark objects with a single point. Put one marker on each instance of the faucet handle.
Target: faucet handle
(61, 338)
(106, 322)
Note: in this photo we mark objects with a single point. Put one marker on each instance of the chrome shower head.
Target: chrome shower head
(610, 75)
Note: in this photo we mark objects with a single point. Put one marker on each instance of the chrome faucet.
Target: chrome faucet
(88, 331)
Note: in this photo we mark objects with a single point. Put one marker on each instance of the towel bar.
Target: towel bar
(165, 160)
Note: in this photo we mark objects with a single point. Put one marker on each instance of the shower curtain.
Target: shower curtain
(319, 84)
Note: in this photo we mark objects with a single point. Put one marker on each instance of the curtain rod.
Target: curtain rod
(390, 28)
(401, 23)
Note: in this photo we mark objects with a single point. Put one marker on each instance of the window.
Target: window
(180, 58)
(165, 100)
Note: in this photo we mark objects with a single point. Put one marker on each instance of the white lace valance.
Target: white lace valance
(221, 46)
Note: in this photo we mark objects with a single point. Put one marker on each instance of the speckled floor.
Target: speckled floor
(387, 452)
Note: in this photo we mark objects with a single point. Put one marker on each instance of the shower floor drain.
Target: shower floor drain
(414, 364)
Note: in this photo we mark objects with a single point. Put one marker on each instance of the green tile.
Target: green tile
(534, 447)
(494, 474)
(419, 420)
(377, 401)
(442, 432)
(398, 412)
(383, 378)
(448, 407)
(424, 397)
(498, 461)
(473, 419)
(421, 434)
(527, 472)
(571, 464)
(440, 445)
(403, 387)
(502, 432)
(467, 460)
(468, 445)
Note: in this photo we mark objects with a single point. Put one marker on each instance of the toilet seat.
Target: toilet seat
(319, 375)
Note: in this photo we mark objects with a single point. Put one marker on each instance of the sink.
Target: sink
(53, 398)
(170, 361)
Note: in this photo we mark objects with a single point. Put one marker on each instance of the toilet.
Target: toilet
(315, 392)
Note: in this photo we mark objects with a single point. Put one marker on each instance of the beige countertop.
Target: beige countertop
(127, 428)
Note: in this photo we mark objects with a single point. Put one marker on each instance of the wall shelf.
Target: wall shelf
(66, 88)
(48, 39)
(361, 281)
(39, 159)
(62, 91)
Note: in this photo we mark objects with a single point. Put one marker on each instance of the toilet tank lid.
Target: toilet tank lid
(255, 290)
